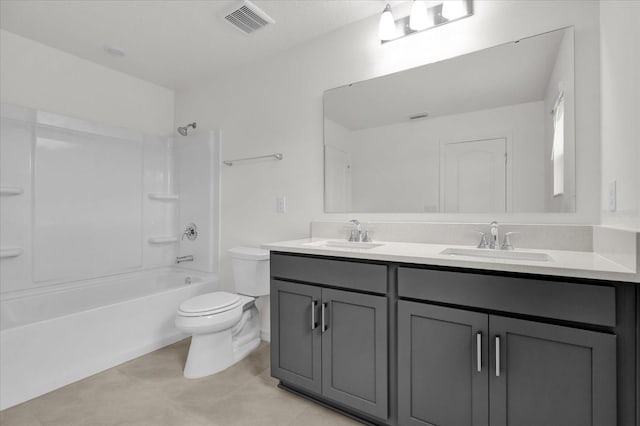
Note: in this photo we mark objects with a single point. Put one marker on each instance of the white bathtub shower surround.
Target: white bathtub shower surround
(90, 214)
(198, 176)
(83, 209)
(48, 340)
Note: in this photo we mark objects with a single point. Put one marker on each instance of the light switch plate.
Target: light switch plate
(281, 204)
(612, 196)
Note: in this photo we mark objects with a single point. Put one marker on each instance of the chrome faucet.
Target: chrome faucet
(495, 236)
(356, 233)
(494, 242)
(187, 258)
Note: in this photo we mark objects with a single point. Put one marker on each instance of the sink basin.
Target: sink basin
(343, 244)
(498, 254)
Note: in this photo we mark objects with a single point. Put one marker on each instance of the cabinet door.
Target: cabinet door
(295, 334)
(550, 375)
(442, 366)
(354, 350)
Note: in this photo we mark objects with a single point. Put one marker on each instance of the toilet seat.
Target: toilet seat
(209, 304)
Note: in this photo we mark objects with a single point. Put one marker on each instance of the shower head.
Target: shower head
(184, 131)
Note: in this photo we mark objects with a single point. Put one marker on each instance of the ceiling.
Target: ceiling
(508, 74)
(172, 42)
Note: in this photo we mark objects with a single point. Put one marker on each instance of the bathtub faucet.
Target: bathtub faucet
(187, 258)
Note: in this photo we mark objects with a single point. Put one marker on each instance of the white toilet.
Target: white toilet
(225, 327)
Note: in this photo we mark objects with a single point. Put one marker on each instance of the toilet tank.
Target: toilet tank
(250, 270)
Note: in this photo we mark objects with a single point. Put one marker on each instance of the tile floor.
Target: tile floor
(150, 390)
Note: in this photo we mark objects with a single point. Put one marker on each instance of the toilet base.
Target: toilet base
(208, 354)
(211, 353)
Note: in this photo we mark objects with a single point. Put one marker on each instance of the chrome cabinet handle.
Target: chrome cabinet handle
(324, 322)
(479, 352)
(314, 324)
(497, 356)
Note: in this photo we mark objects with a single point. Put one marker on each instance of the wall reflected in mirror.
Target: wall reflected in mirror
(487, 132)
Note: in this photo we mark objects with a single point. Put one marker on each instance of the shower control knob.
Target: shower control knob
(191, 232)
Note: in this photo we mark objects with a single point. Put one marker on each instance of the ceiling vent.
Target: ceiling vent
(247, 17)
(419, 116)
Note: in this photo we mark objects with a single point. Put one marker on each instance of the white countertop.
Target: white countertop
(578, 264)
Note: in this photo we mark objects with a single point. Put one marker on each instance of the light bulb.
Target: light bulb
(387, 26)
(419, 17)
(453, 9)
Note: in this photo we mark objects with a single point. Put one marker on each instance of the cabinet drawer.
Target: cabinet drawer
(350, 275)
(584, 303)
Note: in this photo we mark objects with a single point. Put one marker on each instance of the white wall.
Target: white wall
(276, 106)
(620, 85)
(40, 77)
(396, 168)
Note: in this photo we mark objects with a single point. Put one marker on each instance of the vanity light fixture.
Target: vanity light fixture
(387, 26)
(453, 9)
(425, 14)
(419, 16)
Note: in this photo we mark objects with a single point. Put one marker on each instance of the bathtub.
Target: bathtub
(48, 340)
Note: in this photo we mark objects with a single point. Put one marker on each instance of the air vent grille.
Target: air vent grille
(419, 116)
(248, 18)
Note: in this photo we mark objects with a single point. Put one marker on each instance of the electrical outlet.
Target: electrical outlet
(612, 196)
(281, 204)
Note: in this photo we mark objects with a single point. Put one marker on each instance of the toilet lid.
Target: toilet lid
(249, 253)
(216, 301)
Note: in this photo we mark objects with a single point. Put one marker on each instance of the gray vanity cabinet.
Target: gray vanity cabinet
(406, 345)
(295, 335)
(354, 351)
(457, 366)
(442, 366)
(332, 343)
(551, 375)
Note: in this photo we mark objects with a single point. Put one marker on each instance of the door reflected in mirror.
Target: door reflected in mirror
(490, 131)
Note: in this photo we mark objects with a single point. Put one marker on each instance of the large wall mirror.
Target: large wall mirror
(487, 132)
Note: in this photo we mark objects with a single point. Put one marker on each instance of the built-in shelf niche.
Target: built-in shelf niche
(163, 239)
(7, 252)
(158, 196)
(11, 190)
